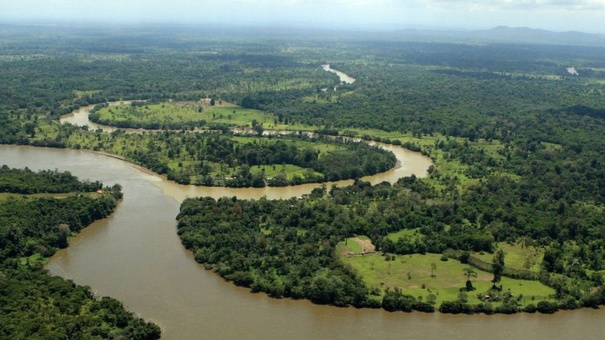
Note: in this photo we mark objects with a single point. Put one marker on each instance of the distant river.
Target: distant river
(344, 78)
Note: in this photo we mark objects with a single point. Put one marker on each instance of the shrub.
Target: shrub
(531, 308)
(547, 307)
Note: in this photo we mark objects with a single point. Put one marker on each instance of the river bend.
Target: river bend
(136, 256)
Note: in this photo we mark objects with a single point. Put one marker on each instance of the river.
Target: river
(344, 78)
(136, 256)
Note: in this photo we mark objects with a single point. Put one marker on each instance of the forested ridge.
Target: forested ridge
(34, 304)
(515, 137)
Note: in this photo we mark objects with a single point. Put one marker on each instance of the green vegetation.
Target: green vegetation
(412, 274)
(223, 160)
(273, 256)
(34, 304)
(178, 115)
(516, 142)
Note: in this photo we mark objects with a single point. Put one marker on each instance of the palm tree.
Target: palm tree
(469, 272)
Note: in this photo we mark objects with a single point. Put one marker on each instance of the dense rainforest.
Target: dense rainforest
(517, 190)
(39, 211)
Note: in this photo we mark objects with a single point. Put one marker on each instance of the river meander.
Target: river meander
(136, 256)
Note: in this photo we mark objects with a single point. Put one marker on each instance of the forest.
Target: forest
(39, 211)
(515, 196)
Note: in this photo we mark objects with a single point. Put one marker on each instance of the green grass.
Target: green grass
(410, 234)
(517, 256)
(413, 272)
(195, 112)
(350, 245)
(35, 258)
(290, 170)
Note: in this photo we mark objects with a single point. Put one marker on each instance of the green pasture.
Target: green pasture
(351, 245)
(517, 256)
(288, 169)
(421, 275)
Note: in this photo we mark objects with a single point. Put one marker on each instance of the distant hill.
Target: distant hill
(506, 34)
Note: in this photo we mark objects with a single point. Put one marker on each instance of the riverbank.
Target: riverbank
(172, 168)
(157, 278)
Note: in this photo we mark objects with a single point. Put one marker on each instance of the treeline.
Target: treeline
(34, 304)
(286, 258)
(27, 228)
(51, 181)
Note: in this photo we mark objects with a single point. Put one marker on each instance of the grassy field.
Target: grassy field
(288, 169)
(517, 256)
(421, 275)
(198, 113)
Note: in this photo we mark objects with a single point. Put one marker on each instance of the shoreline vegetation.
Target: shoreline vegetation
(39, 212)
(509, 219)
(242, 159)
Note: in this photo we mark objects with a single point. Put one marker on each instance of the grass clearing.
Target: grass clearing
(355, 245)
(35, 258)
(517, 256)
(410, 234)
(289, 170)
(421, 275)
(196, 113)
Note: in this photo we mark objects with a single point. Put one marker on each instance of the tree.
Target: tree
(433, 268)
(469, 272)
(498, 266)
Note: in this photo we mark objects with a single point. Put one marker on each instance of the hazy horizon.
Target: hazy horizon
(554, 15)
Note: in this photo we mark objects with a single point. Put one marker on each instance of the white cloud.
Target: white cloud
(560, 15)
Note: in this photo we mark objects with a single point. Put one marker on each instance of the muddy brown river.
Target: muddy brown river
(136, 257)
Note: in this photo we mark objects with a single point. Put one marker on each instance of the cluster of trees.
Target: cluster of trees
(34, 304)
(50, 181)
(223, 160)
(287, 255)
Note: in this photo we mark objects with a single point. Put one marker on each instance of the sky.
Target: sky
(555, 15)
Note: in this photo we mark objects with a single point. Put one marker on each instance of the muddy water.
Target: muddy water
(136, 256)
